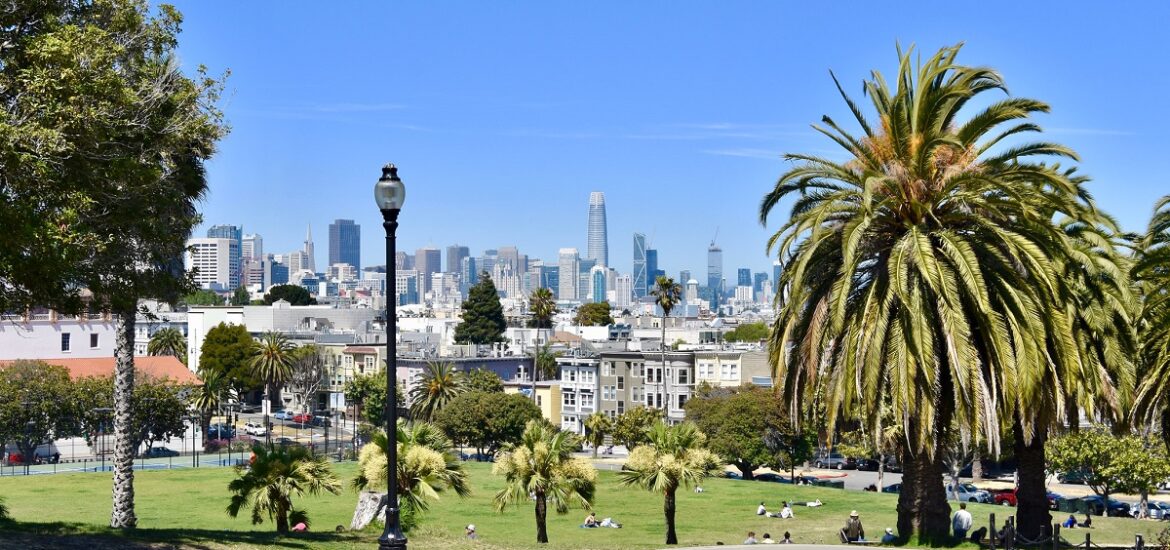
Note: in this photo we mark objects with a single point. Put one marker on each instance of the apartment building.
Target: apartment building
(731, 368)
(579, 388)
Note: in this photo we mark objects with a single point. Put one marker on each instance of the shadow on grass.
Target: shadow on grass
(92, 537)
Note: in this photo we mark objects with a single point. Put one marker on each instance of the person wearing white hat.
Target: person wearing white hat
(853, 530)
(470, 532)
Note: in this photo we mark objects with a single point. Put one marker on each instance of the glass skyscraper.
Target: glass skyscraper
(745, 277)
(345, 243)
(598, 243)
(236, 256)
(715, 274)
(640, 273)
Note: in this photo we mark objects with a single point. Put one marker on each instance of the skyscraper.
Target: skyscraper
(745, 277)
(210, 260)
(235, 233)
(455, 255)
(345, 243)
(597, 276)
(310, 259)
(775, 274)
(715, 274)
(758, 281)
(427, 261)
(639, 276)
(623, 290)
(684, 276)
(569, 264)
(252, 247)
(598, 242)
(652, 271)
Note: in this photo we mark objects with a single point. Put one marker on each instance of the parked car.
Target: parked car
(1115, 509)
(772, 477)
(1008, 498)
(285, 442)
(1157, 510)
(159, 452)
(868, 464)
(1073, 476)
(255, 428)
(322, 422)
(282, 415)
(302, 418)
(967, 492)
(220, 431)
(732, 475)
(835, 460)
(249, 408)
(894, 488)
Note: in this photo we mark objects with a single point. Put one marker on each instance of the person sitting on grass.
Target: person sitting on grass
(767, 539)
(853, 531)
(1069, 523)
(469, 532)
(814, 503)
(762, 510)
(1088, 523)
(787, 538)
(786, 511)
(591, 521)
(609, 522)
(889, 537)
(751, 538)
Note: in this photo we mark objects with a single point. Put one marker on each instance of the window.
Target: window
(539, 401)
(658, 400)
(649, 400)
(64, 341)
(621, 407)
(682, 400)
(587, 399)
(569, 399)
(587, 377)
(608, 393)
(369, 363)
(621, 382)
(636, 392)
(727, 372)
(93, 341)
(682, 376)
(735, 372)
(607, 369)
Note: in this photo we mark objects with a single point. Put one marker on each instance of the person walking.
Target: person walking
(961, 522)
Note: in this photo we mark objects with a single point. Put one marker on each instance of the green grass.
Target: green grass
(186, 508)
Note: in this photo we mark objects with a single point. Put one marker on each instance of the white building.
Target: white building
(343, 272)
(210, 262)
(623, 291)
(570, 266)
(253, 247)
(579, 389)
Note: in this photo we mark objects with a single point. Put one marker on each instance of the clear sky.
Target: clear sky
(503, 116)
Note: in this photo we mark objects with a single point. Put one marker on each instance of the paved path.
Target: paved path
(785, 547)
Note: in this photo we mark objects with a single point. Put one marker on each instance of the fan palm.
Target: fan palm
(276, 475)
(440, 384)
(542, 467)
(208, 397)
(927, 269)
(272, 362)
(543, 307)
(597, 426)
(168, 341)
(675, 457)
(667, 295)
(426, 465)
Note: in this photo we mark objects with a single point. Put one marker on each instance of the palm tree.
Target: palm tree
(440, 384)
(543, 307)
(667, 294)
(1153, 278)
(208, 397)
(426, 465)
(597, 426)
(544, 365)
(276, 475)
(926, 269)
(675, 457)
(168, 341)
(542, 466)
(272, 362)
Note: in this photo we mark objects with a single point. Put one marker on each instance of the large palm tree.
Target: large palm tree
(667, 295)
(675, 457)
(542, 466)
(268, 484)
(426, 465)
(1152, 274)
(439, 385)
(543, 307)
(272, 362)
(927, 268)
(168, 341)
(597, 426)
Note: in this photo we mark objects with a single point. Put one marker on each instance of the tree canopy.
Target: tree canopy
(748, 332)
(293, 294)
(736, 422)
(483, 316)
(487, 421)
(593, 314)
(227, 352)
(483, 380)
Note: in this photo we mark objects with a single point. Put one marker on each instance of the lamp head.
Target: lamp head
(389, 192)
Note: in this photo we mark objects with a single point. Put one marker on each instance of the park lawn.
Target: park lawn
(186, 508)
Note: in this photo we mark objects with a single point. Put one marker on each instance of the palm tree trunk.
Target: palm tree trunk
(541, 512)
(1032, 512)
(668, 509)
(282, 517)
(922, 503)
(665, 376)
(123, 516)
(977, 465)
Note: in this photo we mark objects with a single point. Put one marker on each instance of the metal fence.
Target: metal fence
(1007, 538)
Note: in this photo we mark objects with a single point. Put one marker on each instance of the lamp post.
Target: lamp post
(194, 437)
(390, 193)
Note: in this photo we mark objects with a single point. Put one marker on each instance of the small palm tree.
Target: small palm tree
(272, 359)
(597, 426)
(268, 485)
(675, 457)
(542, 466)
(168, 341)
(208, 397)
(543, 307)
(426, 465)
(667, 294)
(440, 384)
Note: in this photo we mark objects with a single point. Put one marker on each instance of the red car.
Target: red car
(303, 418)
(1008, 498)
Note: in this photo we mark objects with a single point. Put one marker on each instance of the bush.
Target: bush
(214, 445)
(3, 510)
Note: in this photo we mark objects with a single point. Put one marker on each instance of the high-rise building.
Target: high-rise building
(758, 281)
(597, 277)
(403, 261)
(252, 247)
(715, 275)
(598, 242)
(310, 259)
(427, 261)
(651, 268)
(278, 273)
(468, 275)
(640, 276)
(550, 278)
(775, 274)
(692, 291)
(455, 255)
(684, 276)
(569, 263)
(585, 280)
(345, 243)
(510, 255)
(297, 261)
(235, 233)
(406, 287)
(623, 291)
(745, 277)
(487, 262)
(210, 262)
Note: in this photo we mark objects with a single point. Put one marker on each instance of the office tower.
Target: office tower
(403, 261)
(775, 274)
(427, 261)
(211, 262)
(745, 277)
(715, 274)
(584, 281)
(345, 243)
(235, 233)
(743, 294)
(455, 255)
(487, 262)
(597, 276)
(570, 265)
(651, 269)
(310, 259)
(296, 261)
(684, 276)
(252, 247)
(277, 273)
(342, 272)
(623, 291)
(550, 278)
(765, 294)
(254, 273)
(507, 280)
(406, 287)
(758, 281)
(639, 276)
(598, 242)
(511, 256)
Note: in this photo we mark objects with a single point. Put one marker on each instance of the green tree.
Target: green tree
(792, 446)
(667, 295)
(37, 404)
(272, 363)
(203, 297)
(293, 294)
(542, 465)
(168, 341)
(427, 466)
(631, 427)
(240, 297)
(487, 421)
(748, 332)
(368, 391)
(736, 422)
(675, 456)
(158, 410)
(1097, 455)
(593, 314)
(1147, 467)
(227, 353)
(543, 307)
(483, 380)
(439, 385)
(274, 477)
(908, 270)
(483, 316)
(597, 426)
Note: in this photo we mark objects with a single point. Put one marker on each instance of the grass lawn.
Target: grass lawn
(185, 508)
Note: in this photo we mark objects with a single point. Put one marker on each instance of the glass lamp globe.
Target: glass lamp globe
(389, 192)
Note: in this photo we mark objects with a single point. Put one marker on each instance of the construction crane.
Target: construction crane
(713, 239)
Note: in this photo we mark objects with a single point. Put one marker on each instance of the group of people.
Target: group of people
(591, 522)
(751, 539)
(784, 513)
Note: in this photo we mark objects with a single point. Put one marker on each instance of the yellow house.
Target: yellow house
(548, 397)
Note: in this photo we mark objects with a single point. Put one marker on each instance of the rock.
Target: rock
(369, 506)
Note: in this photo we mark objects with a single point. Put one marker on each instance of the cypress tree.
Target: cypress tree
(483, 316)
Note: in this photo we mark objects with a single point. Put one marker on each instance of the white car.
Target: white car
(254, 428)
(968, 493)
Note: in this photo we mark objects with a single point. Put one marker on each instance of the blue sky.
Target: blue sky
(503, 116)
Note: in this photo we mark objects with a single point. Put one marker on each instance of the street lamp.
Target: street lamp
(390, 193)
